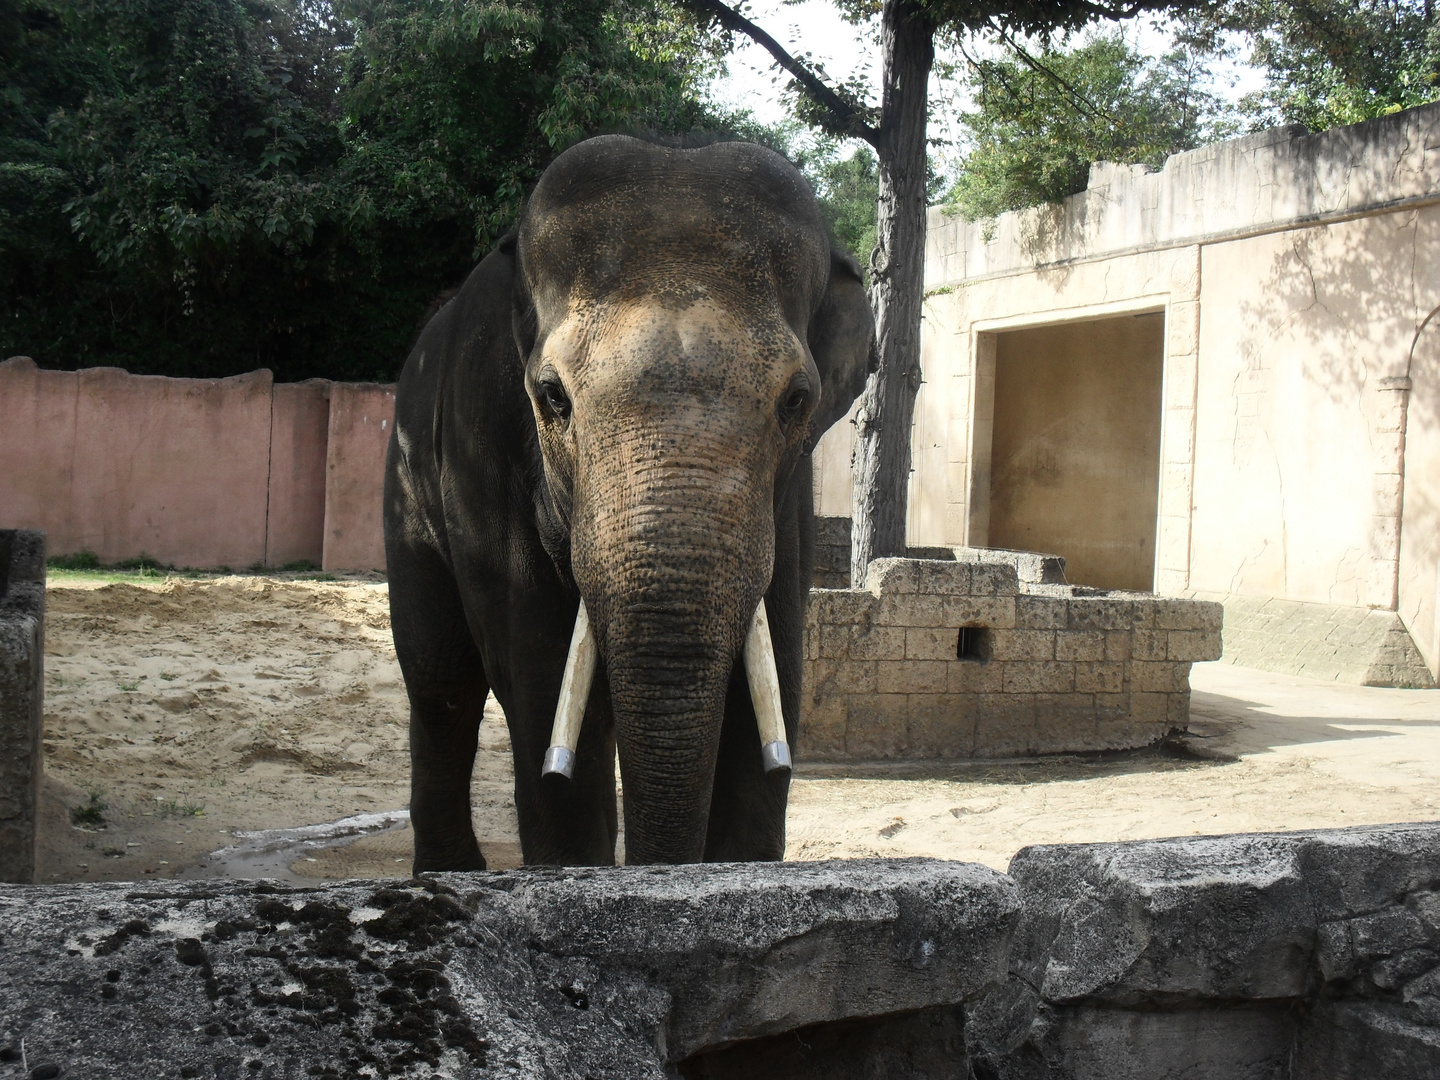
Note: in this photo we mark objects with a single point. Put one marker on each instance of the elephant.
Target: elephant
(614, 415)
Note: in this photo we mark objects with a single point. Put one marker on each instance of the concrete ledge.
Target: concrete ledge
(1283, 956)
(22, 685)
(1364, 646)
(558, 973)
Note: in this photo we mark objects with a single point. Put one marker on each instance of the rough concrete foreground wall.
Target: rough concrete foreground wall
(1303, 956)
(194, 472)
(1300, 956)
(22, 685)
(539, 973)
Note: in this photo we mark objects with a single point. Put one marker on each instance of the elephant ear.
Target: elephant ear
(842, 341)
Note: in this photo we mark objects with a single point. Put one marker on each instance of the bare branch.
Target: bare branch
(844, 116)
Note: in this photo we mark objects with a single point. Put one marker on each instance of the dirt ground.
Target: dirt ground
(188, 717)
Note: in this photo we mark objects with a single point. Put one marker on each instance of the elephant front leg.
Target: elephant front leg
(443, 740)
(563, 822)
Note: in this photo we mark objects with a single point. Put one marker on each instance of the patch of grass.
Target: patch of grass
(181, 807)
(80, 560)
(130, 687)
(91, 814)
(300, 566)
(144, 564)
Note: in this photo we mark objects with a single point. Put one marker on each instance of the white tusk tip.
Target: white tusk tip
(560, 761)
(775, 756)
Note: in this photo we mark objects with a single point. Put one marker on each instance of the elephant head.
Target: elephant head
(686, 332)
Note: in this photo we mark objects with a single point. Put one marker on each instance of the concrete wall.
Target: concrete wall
(22, 697)
(1299, 276)
(194, 472)
(1282, 956)
(360, 419)
(299, 443)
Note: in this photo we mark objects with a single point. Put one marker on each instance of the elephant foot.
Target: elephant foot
(467, 858)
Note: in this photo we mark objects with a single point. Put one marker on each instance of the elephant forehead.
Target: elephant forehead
(610, 349)
(662, 238)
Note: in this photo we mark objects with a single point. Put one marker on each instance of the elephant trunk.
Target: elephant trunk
(671, 588)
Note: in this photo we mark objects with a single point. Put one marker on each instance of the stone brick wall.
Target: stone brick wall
(1047, 667)
(832, 553)
(22, 683)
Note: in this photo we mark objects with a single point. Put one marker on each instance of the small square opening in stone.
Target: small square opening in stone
(973, 643)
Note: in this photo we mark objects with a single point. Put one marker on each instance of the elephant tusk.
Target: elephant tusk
(765, 693)
(574, 694)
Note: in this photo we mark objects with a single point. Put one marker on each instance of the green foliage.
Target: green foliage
(849, 189)
(81, 560)
(1041, 119)
(1333, 62)
(203, 187)
(90, 815)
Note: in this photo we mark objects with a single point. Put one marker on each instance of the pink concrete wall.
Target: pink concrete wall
(124, 464)
(37, 450)
(299, 432)
(361, 415)
(194, 472)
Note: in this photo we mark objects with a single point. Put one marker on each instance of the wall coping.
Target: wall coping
(1268, 181)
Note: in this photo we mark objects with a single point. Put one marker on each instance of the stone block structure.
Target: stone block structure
(1282, 956)
(989, 655)
(22, 686)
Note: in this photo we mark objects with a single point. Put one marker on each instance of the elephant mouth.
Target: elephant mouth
(580, 663)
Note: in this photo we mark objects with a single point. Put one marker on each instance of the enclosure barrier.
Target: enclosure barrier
(1305, 956)
(237, 472)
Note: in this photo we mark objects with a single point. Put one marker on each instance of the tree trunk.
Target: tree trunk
(887, 408)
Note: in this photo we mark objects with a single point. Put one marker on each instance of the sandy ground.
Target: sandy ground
(182, 715)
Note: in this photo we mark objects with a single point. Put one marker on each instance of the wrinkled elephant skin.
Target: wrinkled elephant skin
(619, 406)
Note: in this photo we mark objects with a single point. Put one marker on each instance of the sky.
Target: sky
(815, 27)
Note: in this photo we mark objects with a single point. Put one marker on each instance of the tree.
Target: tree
(1332, 62)
(897, 132)
(201, 187)
(1040, 120)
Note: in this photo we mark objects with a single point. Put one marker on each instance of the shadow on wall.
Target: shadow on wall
(1318, 431)
(236, 472)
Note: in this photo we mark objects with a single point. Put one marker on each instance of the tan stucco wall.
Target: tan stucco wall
(1419, 601)
(193, 472)
(1296, 452)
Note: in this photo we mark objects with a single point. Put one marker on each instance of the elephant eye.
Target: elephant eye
(552, 396)
(795, 400)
